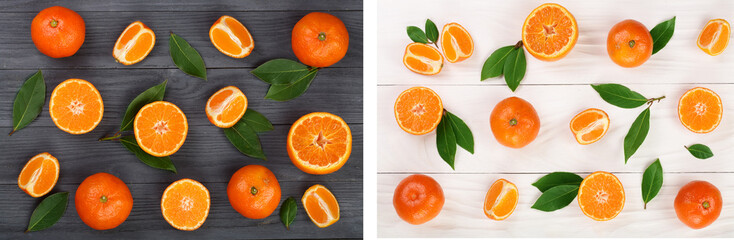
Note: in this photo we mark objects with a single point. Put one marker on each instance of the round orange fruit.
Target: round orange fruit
(418, 199)
(629, 43)
(714, 37)
(320, 39)
(589, 125)
(185, 204)
(549, 32)
(76, 106)
(160, 128)
(700, 110)
(698, 204)
(254, 191)
(39, 175)
(319, 143)
(423, 59)
(321, 206)
(58, 32)
(501, 200)
(456, 43)
(226, 107)
(601, 196)
(134, 44)
(514, 122)
(103, 201)
(230, 37)
(418, 110)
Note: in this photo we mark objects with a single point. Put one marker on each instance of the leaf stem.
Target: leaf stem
(11, 133)
(651, 100)
(518, 44)
(115, 136)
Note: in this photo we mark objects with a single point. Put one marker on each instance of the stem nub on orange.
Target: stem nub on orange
(698, 204)
(320, 39)
(589, 125)
(185, 204)
(549, 32)
(103, 201)
(254, 192)
(501, 200)
(423, 59)
(58, 32)
(629, 43)
(714, 37)
(319, 143)
(418, 110)
(76, 106)
(700, 110)
(456, 43)
(514, 122)
(160, 128)
(601, 196)
(226, 107)
(321, 206)
(230, 37)
(39, 175)
(134, 44)
(418, 199)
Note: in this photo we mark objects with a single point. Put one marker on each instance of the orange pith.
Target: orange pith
(134, 44)
(39, 175)
(160, 128)
(423, 59)
(226, 107)
(589, 126)
(185, 204)
(321, 206)
(456, 43)
(319, 143)
(549, 32)
(76, 106)
(230, 37)
(601, 196)
(714, 37)
(501, 200)
(700, 110)
(418, 110)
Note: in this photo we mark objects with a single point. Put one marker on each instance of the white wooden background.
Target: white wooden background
(558, 90)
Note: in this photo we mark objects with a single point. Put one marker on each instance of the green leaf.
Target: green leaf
(619, 95)
(163, 163)
(464, 136)
(496, 62)
(446, 141)
(48, 212)
(285, 92)
(652, 181)
(29, 101)
(556, 198)
(557, 179)
(245, 139)
(431, 31)
(288, 212)
(417, 35)
(514, 68)
(700, 151)
(280, 71)
(637, 133)
(257, 121)
(661, 34)
(150, 95)
(186, 57)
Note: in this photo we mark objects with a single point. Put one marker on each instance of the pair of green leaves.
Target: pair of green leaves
(186, 57)
(652, 181)
(288, 79)
(661, 34)
(700, 151)
(244, 134)
(508, 61)
(48, 212)
(429, 36)
(559, 189)
(29, 101)
(452, 131)
(288, 211)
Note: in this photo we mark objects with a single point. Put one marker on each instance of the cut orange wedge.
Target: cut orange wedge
(226, 107)
(714, 37)
(76, 106)
(160, 128)
(185, 204)
(418, 110)
(501, 200)
(549, 32)
(456, 43)
(134, 44)
(321, 206)
(590, 125)
(700, 110)
(601, 196)
(319, 143)
(423, 59)
(230, 37)
(39, 175)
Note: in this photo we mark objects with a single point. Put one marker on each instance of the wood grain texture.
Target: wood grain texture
(186, 5)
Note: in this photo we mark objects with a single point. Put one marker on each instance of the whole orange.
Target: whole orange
(629, 43)
(254, 192)
(418, 199)
(320, 39)
(698, 204)
(58, 31)
(514, 122)
(103, 201)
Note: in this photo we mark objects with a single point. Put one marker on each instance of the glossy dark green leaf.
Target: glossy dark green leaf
(557, 179)
(417, 35)
(700, 151)
(446, 141)
(163, 163)
(661, 34)
(29, 101)
(150, 95)
(186, 57)
(288, 211)
(285, 92)
(245, 139)
(431, 31)
(281, 71)
(464, 136)
(556, 198)
(619, 95)
(514, 69)
(257, 121)
(48, 212)
(637, 134)
(494, 65)
(652, 181)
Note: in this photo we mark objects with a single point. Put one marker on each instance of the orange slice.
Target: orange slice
(456, 43)
(714, 37)
(230, 37)
(423, 59)
(589, 126)
(319, 143)
(134, 44)
(226, 107)
(700, 110)
(321, 206)
(185, 204)
(76, 106)
(418, 110)
(549, 32)
(601, 196)
(160, 128)
(501, 200)
(39, 175)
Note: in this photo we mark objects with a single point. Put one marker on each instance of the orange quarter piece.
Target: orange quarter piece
(319, 143)
(76, 106)
(423, 59)
(714, 37)
(456, 43)
(549, 32)
(418, 110)
(226, 107)
(230, 37)
(700, 110)
(39, 175)
(160, 128)
(321, 206)
(134, 44)
(501, 200)
(589, 126)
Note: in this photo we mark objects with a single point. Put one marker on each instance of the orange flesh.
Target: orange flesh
(226, 106)
(185, 204)
(160, 128)
(134, 44)
(76, 106)
(418, 110)
(39, 175)
(454, 38)
(700, 110)
(501, 200)
(231, 37)
(601, 196)
(141, 48)
(321, 141)
(128, 35)
(422, 58)
(590, 125)
(715, 37)
(550, 32)
(321, 205)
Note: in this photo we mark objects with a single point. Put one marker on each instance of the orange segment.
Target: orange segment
(226, 107)
(456, 43)
(321, 206)
(418, 110)
(590, 125)
(501, 200)
(714, 37)
(39, 175)
(160, 128)
(700, 110)
(549, 32)
(185, 204)
(319, 143)
(134, 44)
(76, 106)
(230, 37)
(423, 59)
(601, 196)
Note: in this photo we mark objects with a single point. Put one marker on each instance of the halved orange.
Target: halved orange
(230, 37)
(185, 204)
(76, 106)
(456, 43)
(134, 44)
(589, 125)
(418, 110)
(423, 59)
(39, 175)
(601, 196)
(321, 206)
(714, 37)
(549, 32)
(319, 143)
(700, 110)
(226, 107)
(160, 128)
(501, 200)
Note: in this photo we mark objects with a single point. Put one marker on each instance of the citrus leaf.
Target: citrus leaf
(163, 163)
(637, 134)
(652, 181)
(29, 101)
(431, 31)
(288, 212)
(556, 198)
(557, 179)
(446, 141)
(619, 95)
(417, 35)
(285, 92)
(514, 68)
(661, 34)
(257, 121)
(494, 65)
(244, 138)
(464, 136)
(150, 95)
(48, 212)
(186, 57)
(280, 71)
(700, 151)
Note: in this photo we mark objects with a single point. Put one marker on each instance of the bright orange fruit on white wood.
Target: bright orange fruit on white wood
(230, 37)
(76, 106)
(418, 110)
(39, 175)
(589, 125)
(714, 37)
(321, 206)
(501, 200)
(160, 128)
(601, 196)
(456, 43)
(549, 32)
(226, 107)
(134, 44)
(700, 110)
(423, 59)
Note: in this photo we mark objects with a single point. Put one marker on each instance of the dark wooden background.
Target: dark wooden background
(207, 156)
